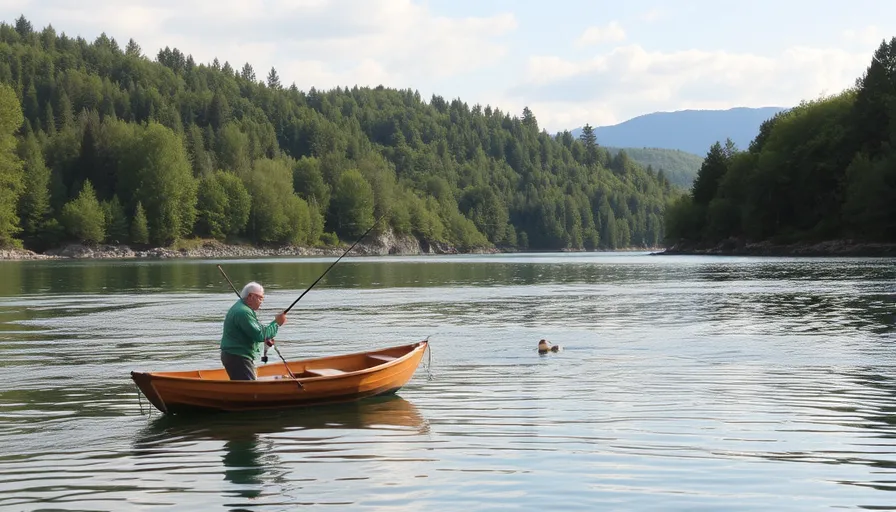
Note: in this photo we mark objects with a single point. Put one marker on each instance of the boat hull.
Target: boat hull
(318, 381)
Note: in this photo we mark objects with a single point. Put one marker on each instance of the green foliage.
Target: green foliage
(239, 203)
(684, 220)
(11, 172)
(487, 211)
(83, 217)
(116, 221)
(714, 167)
(308, 182)
(34, 204)
(151, 133)
(329, 239)
(140, 226)
(678, 167)
(871, 197)
(351, 207)
(277, 214)
(822, 170)
(161, 179)
(223, 205)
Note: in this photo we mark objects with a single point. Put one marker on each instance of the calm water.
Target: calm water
(685, 383)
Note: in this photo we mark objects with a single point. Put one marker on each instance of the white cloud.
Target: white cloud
(630, 80)
(316, 43)
(611, 33)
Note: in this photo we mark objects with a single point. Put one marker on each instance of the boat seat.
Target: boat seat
(324, 372)
(382, 357)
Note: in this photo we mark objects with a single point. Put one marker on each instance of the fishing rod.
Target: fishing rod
(335, 262)
(285, 364)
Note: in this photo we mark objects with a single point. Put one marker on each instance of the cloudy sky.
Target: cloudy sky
(571, 61)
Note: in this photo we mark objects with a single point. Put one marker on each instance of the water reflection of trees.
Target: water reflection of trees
(127, 276)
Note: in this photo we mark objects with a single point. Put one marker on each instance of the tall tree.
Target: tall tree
(83, 217)
(133, 49)
(34, 204)
(876, 100)
(11, 173)
(248, 73)
(589, 140)
(274, 79)
(711, 172)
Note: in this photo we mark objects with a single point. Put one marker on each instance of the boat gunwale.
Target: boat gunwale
(414, 347)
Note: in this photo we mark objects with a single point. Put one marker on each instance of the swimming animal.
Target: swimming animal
(544, 347)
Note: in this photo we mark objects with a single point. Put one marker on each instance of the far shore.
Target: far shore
(409, 246)
(832, 248)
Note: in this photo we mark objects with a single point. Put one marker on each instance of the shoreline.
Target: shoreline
(384, 246)
(409, 246)
(828, 248)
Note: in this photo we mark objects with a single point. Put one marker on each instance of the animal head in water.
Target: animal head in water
(544, 347)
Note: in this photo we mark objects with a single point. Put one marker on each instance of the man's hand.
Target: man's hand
(269, 342)
(280, 319)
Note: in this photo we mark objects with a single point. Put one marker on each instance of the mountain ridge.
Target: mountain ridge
(692, 131)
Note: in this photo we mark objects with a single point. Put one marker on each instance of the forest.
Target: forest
(824, 170)
(100, 143)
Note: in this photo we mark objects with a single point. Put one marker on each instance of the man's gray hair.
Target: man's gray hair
(252, 287)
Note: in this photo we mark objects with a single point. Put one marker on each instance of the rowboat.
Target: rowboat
(325, 380)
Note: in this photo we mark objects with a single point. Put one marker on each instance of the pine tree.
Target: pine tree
(83, 217)
(11, 172)
(133, 49)
(34, 204)
(274, 79)
(139, 226)
(248, 73)
(589, 139)
(23, 26)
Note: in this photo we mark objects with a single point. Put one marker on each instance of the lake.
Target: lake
(684, 383)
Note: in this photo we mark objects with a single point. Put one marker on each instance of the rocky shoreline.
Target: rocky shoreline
(833, 248)
(384, 244)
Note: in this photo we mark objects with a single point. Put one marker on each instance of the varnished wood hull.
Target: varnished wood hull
(318, 381)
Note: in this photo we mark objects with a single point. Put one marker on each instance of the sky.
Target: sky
(571, 62)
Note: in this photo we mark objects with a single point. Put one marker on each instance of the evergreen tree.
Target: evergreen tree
(274, 80)
(248, 73)
(83, 217)
(11, 172)
(133, 49)
(34, 204)
(139, 226)
(589, 140)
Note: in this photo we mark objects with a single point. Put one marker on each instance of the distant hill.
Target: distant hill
(693, 131)
(679, 167)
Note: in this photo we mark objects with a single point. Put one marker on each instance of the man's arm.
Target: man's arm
(254, 330)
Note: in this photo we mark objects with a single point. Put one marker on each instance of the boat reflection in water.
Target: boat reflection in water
(254, 442)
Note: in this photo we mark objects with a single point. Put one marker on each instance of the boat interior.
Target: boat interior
(304, 369)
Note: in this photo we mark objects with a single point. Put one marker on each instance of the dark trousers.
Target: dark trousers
(238, 368)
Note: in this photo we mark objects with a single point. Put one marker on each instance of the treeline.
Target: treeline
(116, 147)
(824, 170)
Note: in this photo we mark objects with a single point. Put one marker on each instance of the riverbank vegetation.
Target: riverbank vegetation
(825, 170)
(101, 144)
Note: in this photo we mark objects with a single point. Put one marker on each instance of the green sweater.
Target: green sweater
(243, 333)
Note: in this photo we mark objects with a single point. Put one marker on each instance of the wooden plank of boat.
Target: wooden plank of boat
(323, 380)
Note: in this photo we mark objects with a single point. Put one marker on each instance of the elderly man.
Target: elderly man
(244, 335)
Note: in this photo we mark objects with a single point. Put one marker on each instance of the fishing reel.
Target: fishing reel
(267, 343)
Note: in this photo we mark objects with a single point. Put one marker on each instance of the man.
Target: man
(244, 334)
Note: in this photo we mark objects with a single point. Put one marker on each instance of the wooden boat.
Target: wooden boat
(323, 380)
